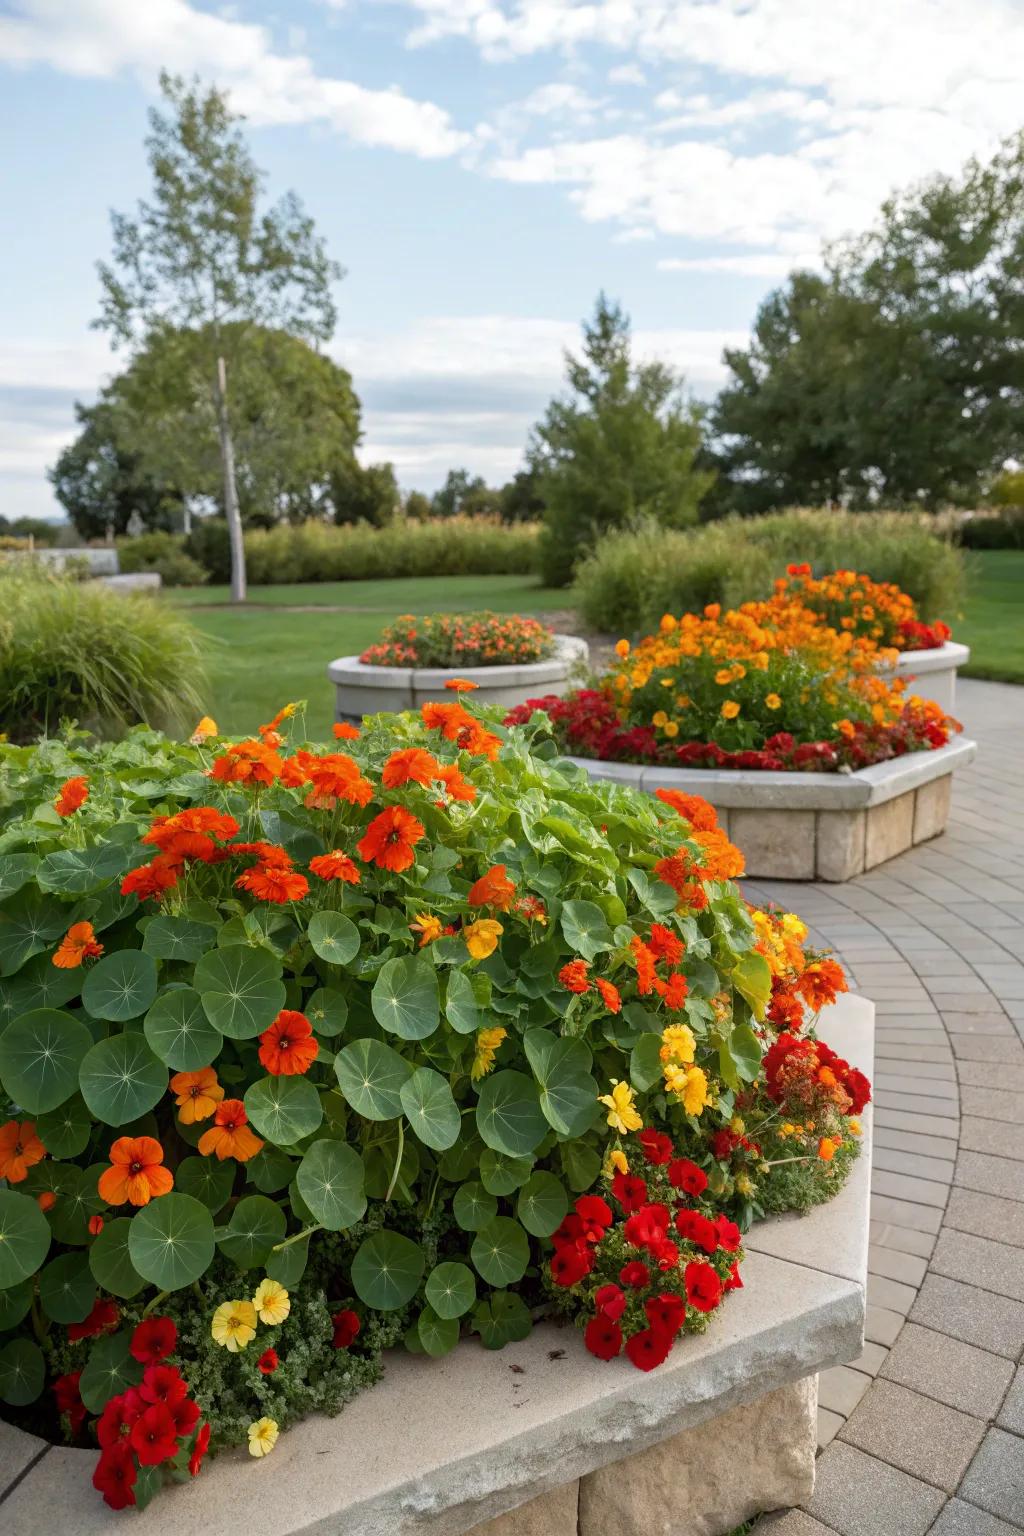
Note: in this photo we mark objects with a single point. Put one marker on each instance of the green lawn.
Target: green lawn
(261, 656)
(993, 615)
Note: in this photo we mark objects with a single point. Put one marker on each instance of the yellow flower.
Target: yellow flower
(659, 718)
(622, 1112)
(622, 648)
(482, 937)
(730, 709)
(743, 1185)
(487, 1043)
(854, 1126)
(773, 701)
(671, 729)
(682, 701)
(234, 1325)
(262, 1437)
(427, 926)
(723, 676)
(667, 624)
(677, 1043)
(737, 1125)
(615, 1162)
(689, 1085)
(205, 728)
(271, 1302)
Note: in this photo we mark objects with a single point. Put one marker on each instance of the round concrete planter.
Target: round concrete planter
(815, 826)
(365, 690)
(933, 672)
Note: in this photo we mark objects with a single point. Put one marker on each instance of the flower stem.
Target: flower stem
(296, 1237)
(398, 1162)
(157, 1299)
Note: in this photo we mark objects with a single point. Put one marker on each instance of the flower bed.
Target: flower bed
(309, 1054)
(453, 640)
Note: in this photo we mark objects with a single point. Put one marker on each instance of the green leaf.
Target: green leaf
(501, 1318)
(461, 1008)
(404, 998)
(67, 1288)
(656, 896)
(241, 989)
(501, 1251)
(568, 1093)
(581, 1165)
(645, 1062)
(327, 1011)
(752, 978)
(120, 986)
(501, 1174)
(256, 1225)
(207, 1180)
(387, 1270)
(74, 871)
(334, 937)
(180, 1033)
(22, 1372)
(745, 1049)
(39, 984)
(430, 1108)
(473, 1207)
(120, 1079)
(27, 926)
(585, 928)
(110, 1370)
(542, 1204)
(438, 1335)
(451, 1289)
(288, 1265)
(14, 1304)
(24, 1237)
(284, 1109)
(171, 1241)
(509, 1116)
(176, 938)
(65, 1131)
(40, 1057)
(270, 1170)
(77, 1199)
(110, 1260)
(15, 870)
(371, 1076)
(331, 1181)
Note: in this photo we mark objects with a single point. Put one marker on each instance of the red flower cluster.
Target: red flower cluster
(917, 636)
(801, 1071)
(151, 1424)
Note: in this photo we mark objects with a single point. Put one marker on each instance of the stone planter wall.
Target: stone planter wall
(934, 672)
(807, 826)
(540, 1439)
(361, 689)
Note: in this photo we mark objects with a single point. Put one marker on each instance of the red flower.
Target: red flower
(162, 1384)
(665, 944)
(695, 1228)
(646, 1226)
(71, 796)
(648, 1348)
(69, 1399)
(574, 976)
(116, 1420)
(723, 1144)
(390, 839)
(603, 1337)
(665, 1252)
(154, 1438)
(630, 1191)
(95, 1228)
(728, 1234)
(703, 1287)
(287, 1047)
(103, 1318)
(859, 1089)
(153, 1339)
(346, 1327)
(611, 1301)
(657, 1147)
(609, 994)
(569, 1265)
(667, 1313)
(635, 1275)
(687, 1176)
(184, 1415)
(195, 1461)
(335, 866)
(734, 1283)
(596, 1216)
(269, 1361)
(115, 1476)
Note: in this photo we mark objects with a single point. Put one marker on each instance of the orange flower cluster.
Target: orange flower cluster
(188, 835)
(272, 877)
(71, 796)
(456, 724)
(852, 603)
(460, 640)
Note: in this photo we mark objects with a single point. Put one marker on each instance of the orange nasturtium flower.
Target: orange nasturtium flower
(482, 937)
(456, 787)
(730, 709)
(136, 1173)
(71, 796)
(427, 926)
(494, 889)
(78, 944)
(20, 1150)
(334, 866)
(409, 765)
(461, 685)
(334, 777)
(198, 1094)
(206, 728)
(273, 882)
(229, 1135)
(46, 1200)
(248, 762)
(828, 1146)
(574, 976)
(821, 983)
(390, 838)
(287, 1047)
(345, 732)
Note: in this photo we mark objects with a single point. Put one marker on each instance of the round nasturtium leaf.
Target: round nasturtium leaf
(67, 1288)
(16, 869)
(241, 989)
(331, 1181)
(270, 1170)
(461, 1008)
(40, 1056)
(14, 1304)
(542, 1204)
(501, 1175)
(451, 1289)
(178, 938)
(371, 1076)
(22, 1372)
(327, 1011)
(120, 1078)
(334, 937)
(256, 1225)
(65, 1131)
(288, 1265)
(568, 1093)
(24, 1237)
(585, 928)
(430, 1108)
(501, 1318)
(110, 1370)
(31, 923)
(206, 1180)
(110, 1261)
(120, 986)
(171, 1241)
(387, 1270)
(284, 1109)
(509, 1115)
(405, 998)
(39, 984)
(501, 1251)
(180, 1033)
(76, 871)
(78, 1198)
(473, 1206)
(438, 1335)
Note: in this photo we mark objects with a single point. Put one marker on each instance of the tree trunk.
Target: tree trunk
(231, 512)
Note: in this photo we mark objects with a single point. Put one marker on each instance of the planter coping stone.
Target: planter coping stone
(937, 658)
(353, 673)
(442, 1445)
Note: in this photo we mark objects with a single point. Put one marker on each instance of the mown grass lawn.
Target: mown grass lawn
(993, 615)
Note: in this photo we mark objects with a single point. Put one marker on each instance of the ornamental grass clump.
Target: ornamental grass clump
(460, 640)
(310, 1052)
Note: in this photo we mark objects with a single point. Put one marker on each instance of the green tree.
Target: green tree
(521, 499)
(418, 506)
(202, 257)
(369, 495)
(621, 443)
(99, 482)
(459, 491)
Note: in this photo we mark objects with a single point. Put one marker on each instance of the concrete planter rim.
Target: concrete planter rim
(938, 658)
(350, 672)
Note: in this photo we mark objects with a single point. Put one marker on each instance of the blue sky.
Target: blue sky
(482, 168)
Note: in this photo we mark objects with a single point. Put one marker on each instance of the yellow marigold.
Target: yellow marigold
(723, 676)
(772, 701)
(854, 1126)
(482, 937)
(677, 1043)
(659, 718)
(203, 731)
(730, 709)
(690, 1086)
(667, 624)
(622, 1111)
(487, 1043)
(272, 1302)
(744, 1186)
(622, 648)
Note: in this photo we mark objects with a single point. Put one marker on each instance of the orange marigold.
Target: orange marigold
(390, 839)
(409, 765)
(229, 1135)
(493, 889)
(71, 796)
(287, 1047)
(78, 944)
(821, 983)
(574, 976)
(697, 811)
(136, 1173)
(20, 1150)
(335, 866)
(721, 860)
(336, 777)
(609, 994)
(247, 762)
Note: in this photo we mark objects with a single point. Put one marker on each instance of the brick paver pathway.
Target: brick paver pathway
(924, 1433)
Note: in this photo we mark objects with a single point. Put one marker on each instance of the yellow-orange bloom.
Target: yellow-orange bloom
(482, 937)
(136, 1173)
(198, 1094)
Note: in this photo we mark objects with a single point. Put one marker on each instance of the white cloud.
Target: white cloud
(627, 74)
(774, 264)
(104, 38)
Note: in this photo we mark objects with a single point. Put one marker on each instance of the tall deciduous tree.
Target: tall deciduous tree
(621, 443)
(202, 257)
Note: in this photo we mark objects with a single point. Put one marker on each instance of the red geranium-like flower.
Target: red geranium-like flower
(734, 1283)
(346, 1328)
(199, 1450)
(728, 1234)
(103, 1318)
(603, 1337)
(610, 1301)
(684, 1175)
(646, 1226)
(287, 1047)
(693, 1227)
(154, 1438)
(570, 1265)
(115, 1476)
(69, 1399)
(116, 1421)
(703, 1287)
(630, 1191)
(162, 1384)
(635, 1275)
(596, 1216)
(656, 1146)
(153, 1340)
(269, 1361)
(667, 1312)
(185, 1414)
(648, 1348)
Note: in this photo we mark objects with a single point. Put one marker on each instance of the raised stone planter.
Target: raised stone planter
(934, 672)
(540, 1439)
(815, 826)
(361, 689)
